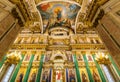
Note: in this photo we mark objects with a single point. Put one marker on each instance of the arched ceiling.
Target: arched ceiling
(58, 13)
(42, 15)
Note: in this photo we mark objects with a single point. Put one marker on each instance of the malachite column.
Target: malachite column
(88, 69)
(16, 70)
(77, 69)
(28, 69)
(40, 69)
(99, 70)
(116, 68)
(3, 60)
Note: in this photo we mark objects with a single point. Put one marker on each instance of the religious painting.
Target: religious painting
(58, 14)
(84, 77)
(47, 57)
(27, 58)
(71, 75)
(32, 75)
(89, 58)
(37, 58)
(80, 58)
(83, 74)
(95, 76)
(45, 75)
(58, 76)
(69, 57)
(21, 75)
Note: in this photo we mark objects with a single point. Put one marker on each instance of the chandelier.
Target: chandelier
(101, 58)
(13, 58)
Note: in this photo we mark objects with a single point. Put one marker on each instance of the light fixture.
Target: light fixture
(101, 58)
(13, 58)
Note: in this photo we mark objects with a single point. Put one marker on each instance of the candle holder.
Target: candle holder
(101, 58)
(13, 58)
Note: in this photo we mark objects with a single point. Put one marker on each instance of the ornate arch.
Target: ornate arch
(61, 55)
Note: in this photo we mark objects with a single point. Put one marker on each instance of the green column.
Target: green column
(116, 68)
(16, 70)
(40, 69)
(88, 69)
(3, 60)
(77, 69)
(28, 69)
(99, 70)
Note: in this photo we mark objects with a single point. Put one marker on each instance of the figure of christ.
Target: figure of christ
(60, 21)
(58, 76)
(20, 77)
(96, 77)
(84, 77)
(59, 15)
(33, 77)
(71, 76)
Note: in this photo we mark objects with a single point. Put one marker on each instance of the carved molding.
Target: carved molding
(16, 15)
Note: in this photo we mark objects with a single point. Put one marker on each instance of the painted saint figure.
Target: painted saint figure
(71, 76)
(89, 58)
(96, 77)
(59, 15)
(20, 77)
(33, 77)
(84, 77)
(79, 58)
(37, 58)
(45, 77)
(27, 58)
(47, 58)
(58, 75)
(69, 57)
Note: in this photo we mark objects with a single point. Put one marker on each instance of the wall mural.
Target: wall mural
(58, 14)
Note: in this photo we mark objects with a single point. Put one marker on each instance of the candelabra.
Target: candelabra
(13, 58)
(101, 58)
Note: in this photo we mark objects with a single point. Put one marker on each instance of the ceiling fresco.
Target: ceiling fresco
(58, 14)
